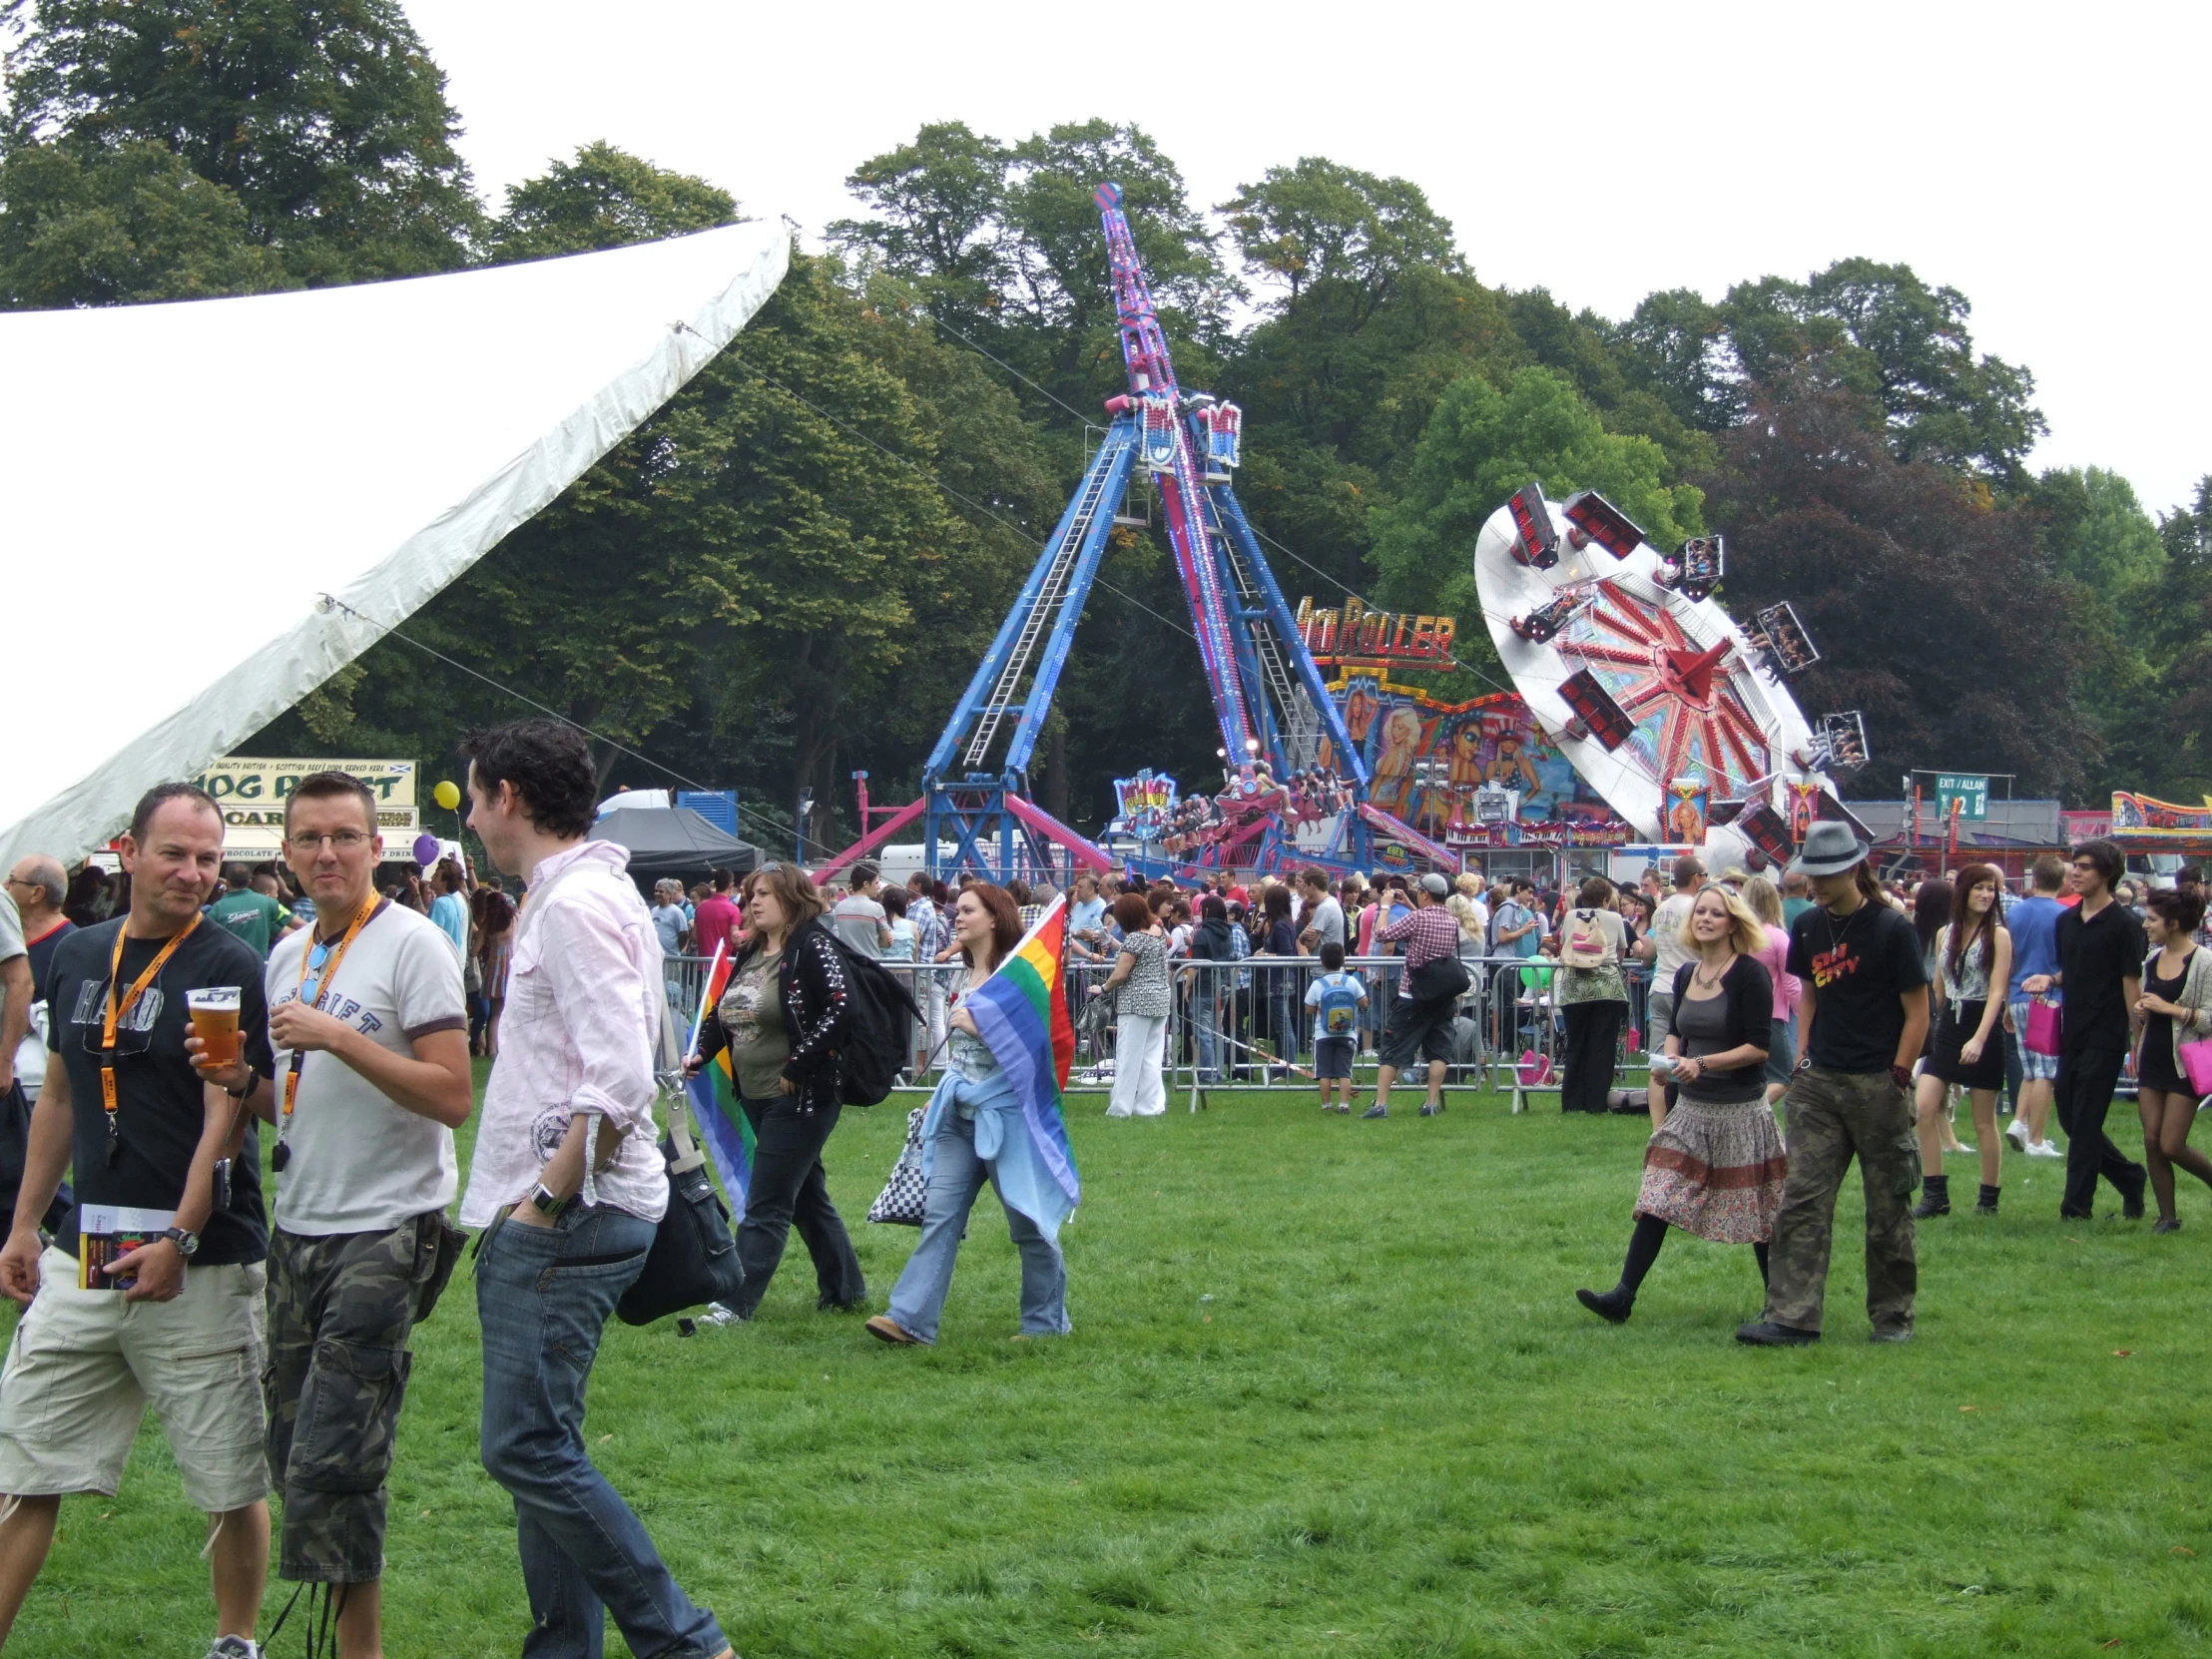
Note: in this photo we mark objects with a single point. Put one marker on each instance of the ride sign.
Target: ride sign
(1146, 804)
(1969, 791)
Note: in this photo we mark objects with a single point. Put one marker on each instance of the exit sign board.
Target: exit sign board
(1971, 792)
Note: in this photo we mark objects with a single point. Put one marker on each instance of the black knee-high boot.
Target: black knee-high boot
(1614, 1306)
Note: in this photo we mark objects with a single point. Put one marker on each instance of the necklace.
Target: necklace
(1698, 974)
(1836, 936)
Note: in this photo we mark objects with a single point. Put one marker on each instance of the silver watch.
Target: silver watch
(548, 1202)
(187, 1244)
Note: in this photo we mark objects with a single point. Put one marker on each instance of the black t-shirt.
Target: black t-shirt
(1859, 966)
(41, 951)
(158, 1094)
(2094, 956)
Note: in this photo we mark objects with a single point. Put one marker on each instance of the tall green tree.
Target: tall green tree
(1005, 242)
(1880, 332)
(1937, 610)
(122, 226)
(2157, 727)
(941, 220)
(605, 198)
(325, 119)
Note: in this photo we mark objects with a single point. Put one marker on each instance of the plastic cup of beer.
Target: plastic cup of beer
(215, 1021)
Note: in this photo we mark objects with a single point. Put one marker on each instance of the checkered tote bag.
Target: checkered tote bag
(901, 1201)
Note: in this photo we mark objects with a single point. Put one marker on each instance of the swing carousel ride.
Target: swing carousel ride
(1642, 710)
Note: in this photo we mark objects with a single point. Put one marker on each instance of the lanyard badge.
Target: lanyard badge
(280, 1154)
(120, 1004)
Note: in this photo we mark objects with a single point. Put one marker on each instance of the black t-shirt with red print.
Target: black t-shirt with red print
(1857, 967)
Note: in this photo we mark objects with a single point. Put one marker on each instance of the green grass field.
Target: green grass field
(1328, 1394)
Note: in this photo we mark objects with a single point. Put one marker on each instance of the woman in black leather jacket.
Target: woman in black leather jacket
(780, 1018)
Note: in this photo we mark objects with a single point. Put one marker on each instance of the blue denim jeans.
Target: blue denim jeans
(1206, 1017)
(956, 1177)
(543, 1296)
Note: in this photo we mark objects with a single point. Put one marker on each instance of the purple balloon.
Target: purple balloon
(425, 849)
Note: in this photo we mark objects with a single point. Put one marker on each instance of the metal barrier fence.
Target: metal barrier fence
(1246, 1024)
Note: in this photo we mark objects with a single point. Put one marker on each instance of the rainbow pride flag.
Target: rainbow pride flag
(721, 1122)
(1022, 1017)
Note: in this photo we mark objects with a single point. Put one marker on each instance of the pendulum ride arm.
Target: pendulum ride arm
(1152, 375)
(1280, 644)
(1046, 614)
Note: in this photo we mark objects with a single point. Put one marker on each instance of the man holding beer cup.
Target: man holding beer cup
(369, 1029)
(152, 1290)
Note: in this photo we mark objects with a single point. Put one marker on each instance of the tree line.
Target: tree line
(789, 571)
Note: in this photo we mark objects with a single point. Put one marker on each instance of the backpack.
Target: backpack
(878, 1009)
(1340, 1004)
(1586, 945)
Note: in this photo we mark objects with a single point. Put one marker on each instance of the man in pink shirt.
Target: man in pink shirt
(716, 921)
(569, 1184)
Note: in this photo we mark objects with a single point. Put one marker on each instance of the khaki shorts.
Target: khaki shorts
(84, 1364)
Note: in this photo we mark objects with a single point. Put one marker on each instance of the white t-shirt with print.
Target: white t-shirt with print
(359, 1163)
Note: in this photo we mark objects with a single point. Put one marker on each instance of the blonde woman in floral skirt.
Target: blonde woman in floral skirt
(1715, 1167)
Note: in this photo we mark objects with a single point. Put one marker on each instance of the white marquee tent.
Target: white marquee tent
(180, 484)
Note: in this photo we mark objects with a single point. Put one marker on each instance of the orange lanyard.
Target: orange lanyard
(369, 906)
(116, 1008)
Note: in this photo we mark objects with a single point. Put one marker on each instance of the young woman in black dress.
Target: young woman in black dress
(2174, 1008)
(1972, 954)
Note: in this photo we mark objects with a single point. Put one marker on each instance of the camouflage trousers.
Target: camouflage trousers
(340, 1307)
(1832, 1116)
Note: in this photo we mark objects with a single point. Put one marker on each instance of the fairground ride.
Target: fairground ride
(1681, 719)
(1270, 704)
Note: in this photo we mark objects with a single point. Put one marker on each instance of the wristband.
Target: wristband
(1901, 1076)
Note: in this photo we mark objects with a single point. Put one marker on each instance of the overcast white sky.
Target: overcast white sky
(2047, 160)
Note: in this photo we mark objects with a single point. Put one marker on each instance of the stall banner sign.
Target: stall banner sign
(2139, 818)
(255, 782)
(250, 793)
(2076, 827)
(1970, 790)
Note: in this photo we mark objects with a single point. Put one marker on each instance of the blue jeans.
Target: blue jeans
(956, 1177)
(1206, 1015)
(543, 1296)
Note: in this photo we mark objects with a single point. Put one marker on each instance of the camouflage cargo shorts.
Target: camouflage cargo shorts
(340, 1307)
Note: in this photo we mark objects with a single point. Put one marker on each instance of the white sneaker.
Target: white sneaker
(2016, 1133)
(235, 1647)
(2046, 1149)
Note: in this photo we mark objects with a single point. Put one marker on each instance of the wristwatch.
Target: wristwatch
(187, 1243)
(548, 1203)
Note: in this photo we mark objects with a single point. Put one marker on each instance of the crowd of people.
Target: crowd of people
(271, 1332)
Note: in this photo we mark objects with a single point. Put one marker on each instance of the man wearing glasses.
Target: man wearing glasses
(368, 1030)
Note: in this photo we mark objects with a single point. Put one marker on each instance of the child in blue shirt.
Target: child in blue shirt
(1337, 999)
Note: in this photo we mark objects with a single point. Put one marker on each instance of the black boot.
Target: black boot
(1937, 1200)
(1987, 1204)
(1613, 1306)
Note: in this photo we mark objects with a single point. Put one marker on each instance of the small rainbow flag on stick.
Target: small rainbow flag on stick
(1022, 1015)
(713, 1094)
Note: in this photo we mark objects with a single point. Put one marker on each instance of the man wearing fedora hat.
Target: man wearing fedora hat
(1863, 1017)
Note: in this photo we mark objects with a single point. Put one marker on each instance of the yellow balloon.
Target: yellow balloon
(448, 795)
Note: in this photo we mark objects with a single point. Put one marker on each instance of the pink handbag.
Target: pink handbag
(2196, 1065)
(2041, 1035)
